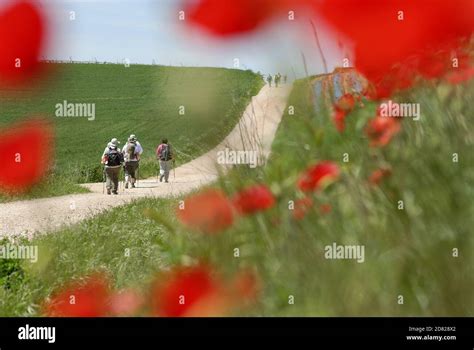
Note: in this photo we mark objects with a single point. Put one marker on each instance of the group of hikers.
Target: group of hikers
(114, 159)
(277, 79)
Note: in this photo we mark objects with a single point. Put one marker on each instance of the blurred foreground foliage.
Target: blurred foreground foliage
(408, 252)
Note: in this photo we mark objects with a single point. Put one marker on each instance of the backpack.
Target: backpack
(114, 158)
(131, 150)
(165, 153)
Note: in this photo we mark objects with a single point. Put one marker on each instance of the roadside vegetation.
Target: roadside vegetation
(418, 250)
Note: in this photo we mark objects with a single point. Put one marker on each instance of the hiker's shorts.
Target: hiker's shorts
(112, 175)
(131, 168)
(165, 166)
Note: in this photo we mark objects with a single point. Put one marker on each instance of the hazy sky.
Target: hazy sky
(146, 30)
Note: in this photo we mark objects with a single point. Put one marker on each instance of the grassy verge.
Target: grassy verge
(50, 187)
(409, 253)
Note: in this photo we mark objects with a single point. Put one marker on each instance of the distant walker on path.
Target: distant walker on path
(277, 79)
(269, 80)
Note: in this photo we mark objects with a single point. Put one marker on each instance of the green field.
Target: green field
(142, 100)
(409, 252)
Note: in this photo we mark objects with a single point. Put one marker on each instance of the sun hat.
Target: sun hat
(132, 137)
(115, 142)
(112, 145)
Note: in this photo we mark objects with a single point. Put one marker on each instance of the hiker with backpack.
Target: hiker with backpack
(269, 80)
(131, 154)
(165, 157)
(112, 159)
(139, 146)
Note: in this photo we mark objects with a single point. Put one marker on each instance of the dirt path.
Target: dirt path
(255, 131)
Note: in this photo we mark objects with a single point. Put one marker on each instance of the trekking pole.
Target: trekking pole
(138, 173)
(123, 185)
(103, 180)
(174, 170)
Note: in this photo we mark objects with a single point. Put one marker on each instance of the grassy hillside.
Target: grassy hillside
(408, 252)
(143, 100)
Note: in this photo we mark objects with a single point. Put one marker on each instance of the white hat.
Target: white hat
(115, 142)
(111, 145)
(132, 137)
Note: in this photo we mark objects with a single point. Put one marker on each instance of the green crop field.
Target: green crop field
(409, 252)
(195, 108)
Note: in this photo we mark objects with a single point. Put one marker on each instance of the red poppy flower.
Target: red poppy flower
(318, 176)
(253, 199)
(199, 291)
(225, 18)
(208, 212)
(459, 75)
(339, 119)
(125, 302)
(399, 77)
(302, 207)
(344, 105)
(434, 65)
(346, 102)
(189, 291)
(22, 39)
(86, 298)
(381, 130)
(400, 31)
(378, 175)
(26, 153)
